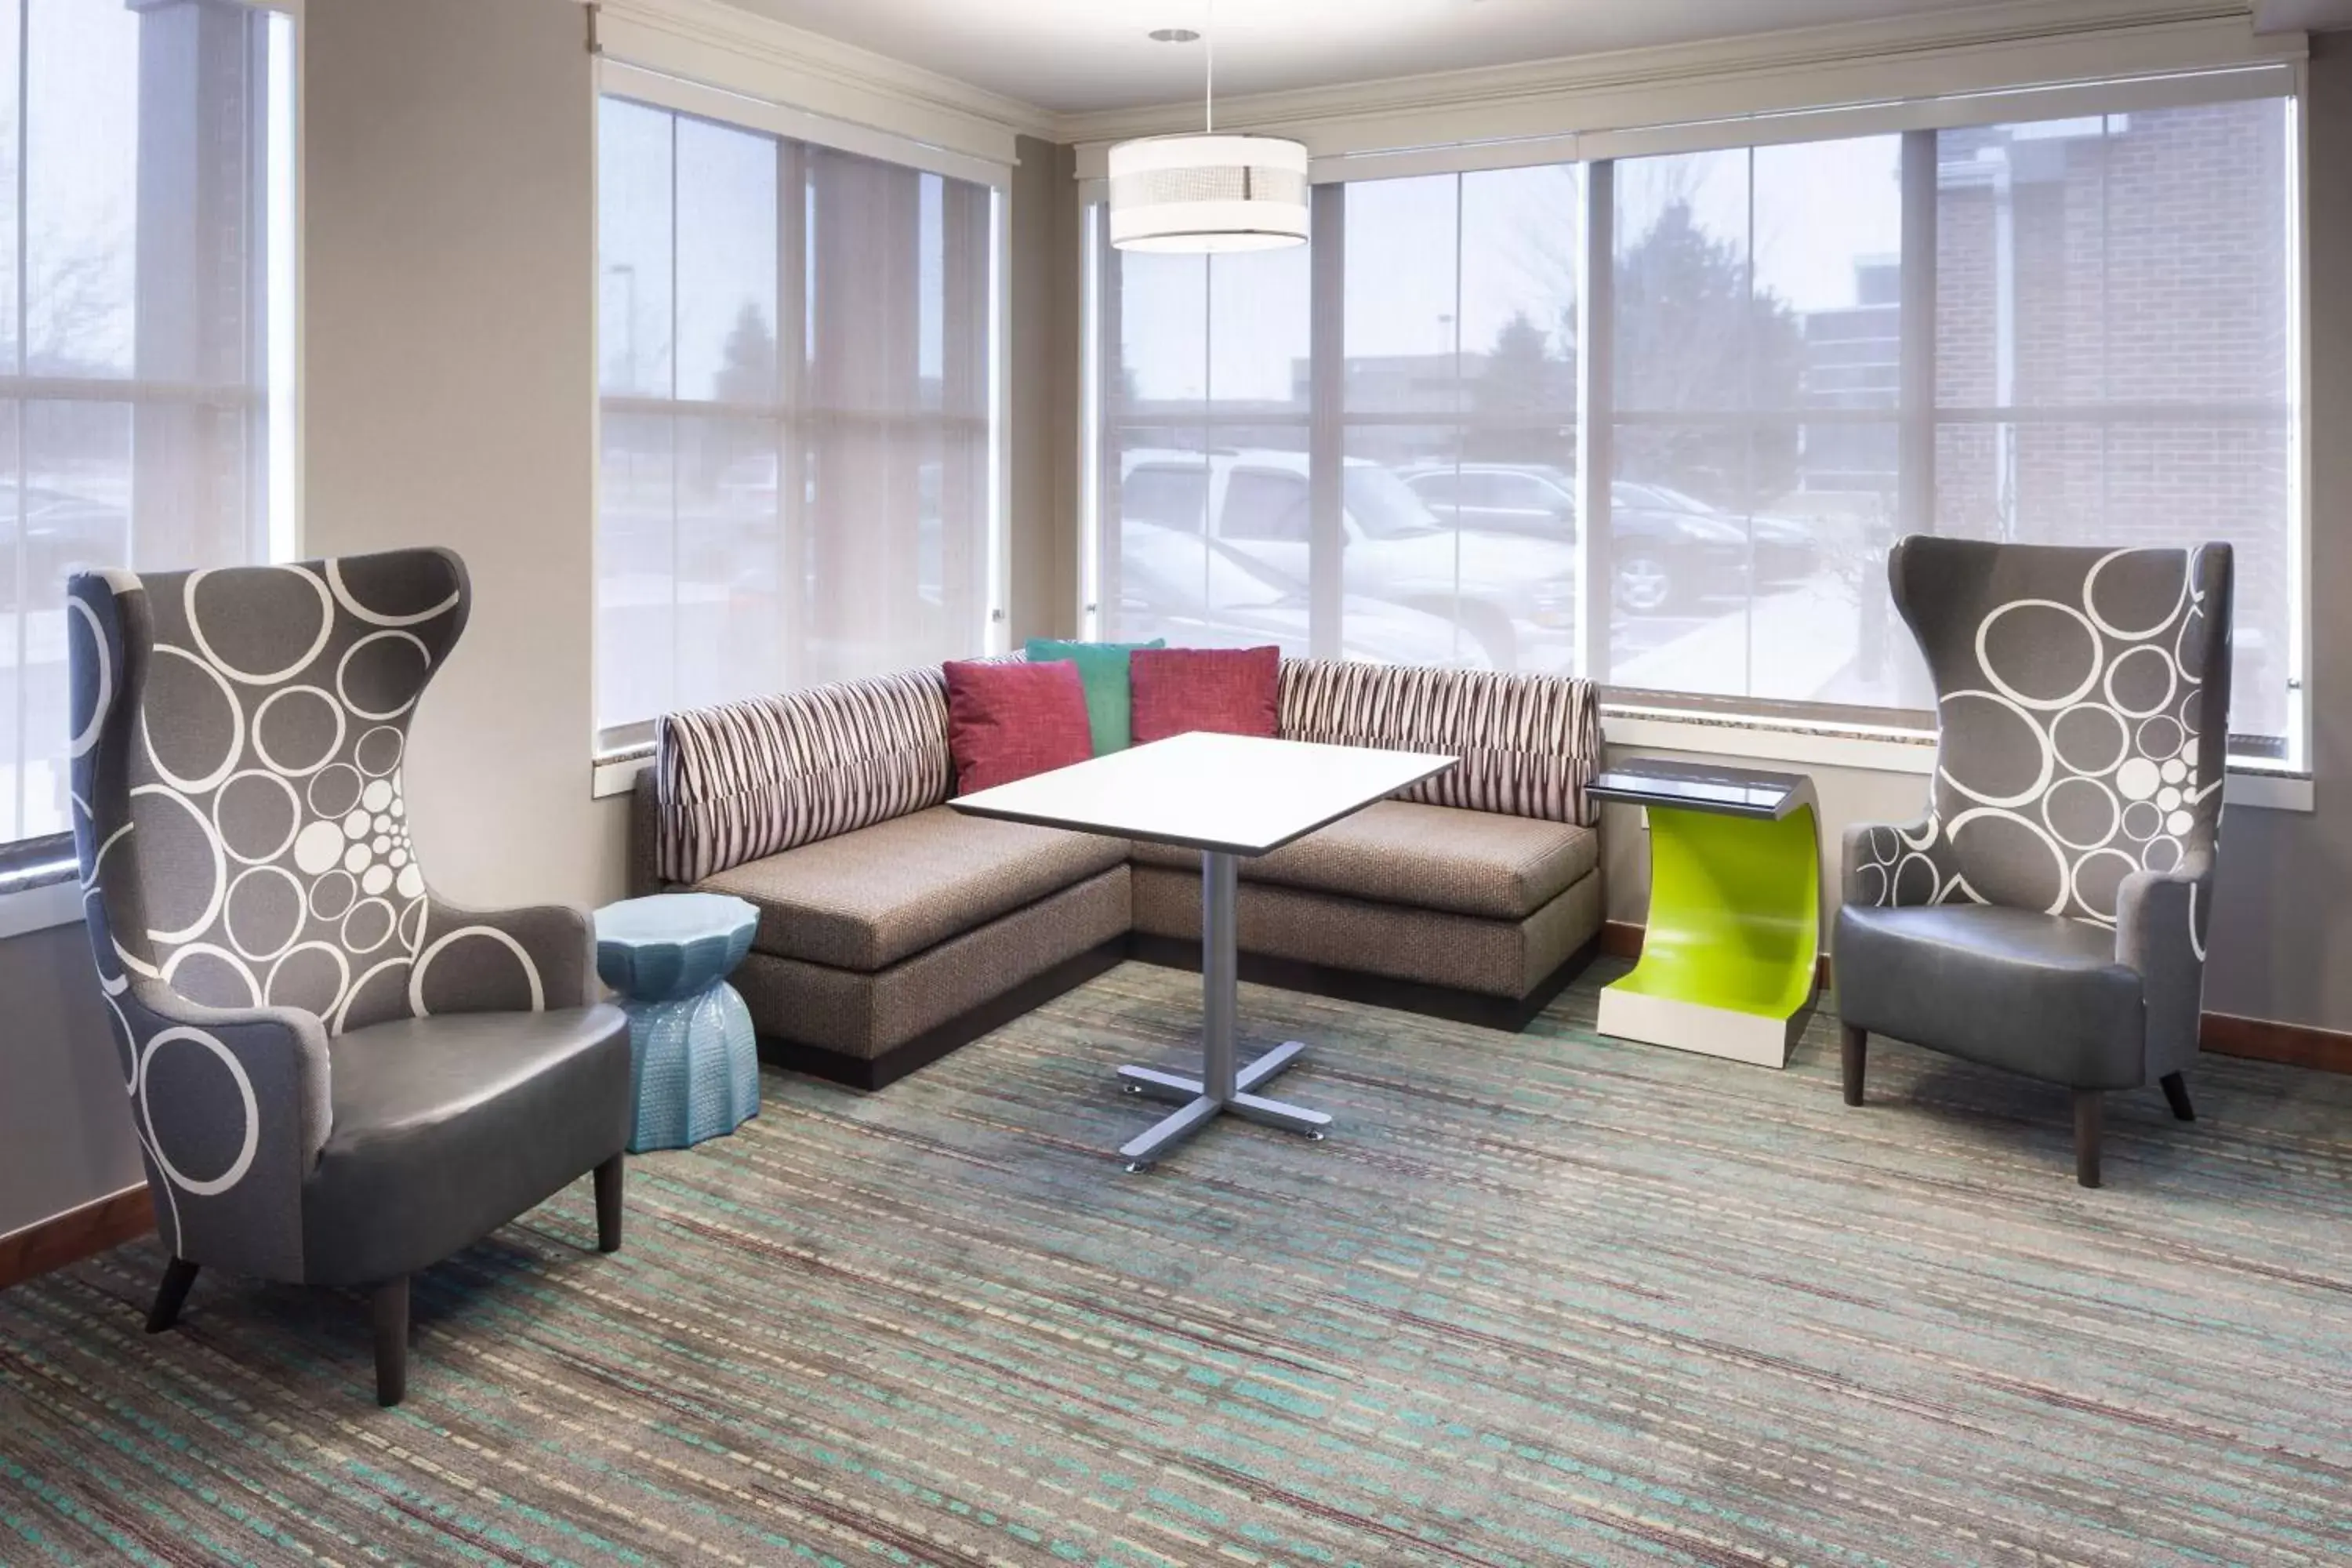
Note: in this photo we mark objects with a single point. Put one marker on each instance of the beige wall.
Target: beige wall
(449, 398)
(2282, 942)
(1043, 358)
(65, 1137)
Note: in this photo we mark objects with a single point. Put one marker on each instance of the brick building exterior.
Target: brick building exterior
(2143, 276)
(2113, 353)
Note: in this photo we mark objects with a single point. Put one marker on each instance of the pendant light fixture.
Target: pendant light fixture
(1208, 192)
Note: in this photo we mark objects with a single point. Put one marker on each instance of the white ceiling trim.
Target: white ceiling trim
(2024, 44)
(737, 52)
(622, 79)
(2020, 44)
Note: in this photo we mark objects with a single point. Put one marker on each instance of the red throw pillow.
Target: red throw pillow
(1006, 722)
(1230, 691)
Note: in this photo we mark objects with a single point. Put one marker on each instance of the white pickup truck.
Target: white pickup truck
(1516, 595)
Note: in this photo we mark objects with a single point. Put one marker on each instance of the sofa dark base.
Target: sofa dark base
(1455, 1005)
(1447, 1002)
(877, 1072)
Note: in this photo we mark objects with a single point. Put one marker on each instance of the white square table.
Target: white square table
(1228, 796)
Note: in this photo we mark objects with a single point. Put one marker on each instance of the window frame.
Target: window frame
(39, 861)
(618, 752)
(2284, 781)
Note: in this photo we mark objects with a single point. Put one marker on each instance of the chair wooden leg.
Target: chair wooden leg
(391, 1310)
(1854, 1050)
(608, 1205)
(169, 1296)
(2090, 1117)
(2176, 1091)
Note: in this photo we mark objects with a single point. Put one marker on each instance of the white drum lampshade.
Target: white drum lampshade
(1197, 194)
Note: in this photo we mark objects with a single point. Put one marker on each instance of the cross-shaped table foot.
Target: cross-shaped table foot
(1199, 1107)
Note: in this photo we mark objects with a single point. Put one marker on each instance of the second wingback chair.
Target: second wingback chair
(2049, 915)
(336, 1077)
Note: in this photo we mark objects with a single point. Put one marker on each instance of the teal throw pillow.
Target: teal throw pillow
(1102, 669)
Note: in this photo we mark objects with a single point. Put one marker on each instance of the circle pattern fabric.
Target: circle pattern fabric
(265, 780)
(2073, 751)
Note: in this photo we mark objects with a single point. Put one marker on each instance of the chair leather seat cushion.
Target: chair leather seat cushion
(1424, 857)
(2035, 993)
(864, 901)
(446, 1128)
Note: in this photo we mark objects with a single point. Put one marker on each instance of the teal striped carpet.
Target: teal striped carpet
(1543, 1299)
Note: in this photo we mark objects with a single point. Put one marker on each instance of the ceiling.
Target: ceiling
(1075, 57)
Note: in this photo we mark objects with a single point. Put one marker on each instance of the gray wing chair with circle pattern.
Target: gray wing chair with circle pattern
(336, 1077)
(2049, 915)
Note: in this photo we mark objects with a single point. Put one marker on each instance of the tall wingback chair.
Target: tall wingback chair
(2049, 916)
(337, 1077)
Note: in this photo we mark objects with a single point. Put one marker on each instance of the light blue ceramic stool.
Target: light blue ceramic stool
(696, 1065)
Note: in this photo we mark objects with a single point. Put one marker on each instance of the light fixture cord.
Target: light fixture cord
(1209, 73)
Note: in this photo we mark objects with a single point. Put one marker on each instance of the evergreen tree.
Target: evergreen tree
(1519, 396)
(1693, 336)
(747, 374)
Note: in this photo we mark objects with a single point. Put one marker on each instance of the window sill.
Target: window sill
(617, 773)
(41, 906)
(1865, 749)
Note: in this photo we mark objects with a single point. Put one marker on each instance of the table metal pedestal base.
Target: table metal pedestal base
(1200, 1107)
(1221, 1086)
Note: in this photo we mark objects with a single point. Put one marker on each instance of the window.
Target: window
(1776, 360)
(1265, 507)
(1169, 497)
(1204, 412)
(2115, 358)
(146, 299)
(1753, 434)
(1460, 371)
(797, 405)
(1452, 363)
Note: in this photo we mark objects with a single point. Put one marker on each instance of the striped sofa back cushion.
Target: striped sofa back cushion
(1529, 743)
(756, 777)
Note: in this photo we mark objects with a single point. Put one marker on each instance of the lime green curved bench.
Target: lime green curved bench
(1728, 961)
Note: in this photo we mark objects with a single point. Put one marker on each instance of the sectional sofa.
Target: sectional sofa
(892, 929)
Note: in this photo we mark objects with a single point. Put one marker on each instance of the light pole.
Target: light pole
(627, 273)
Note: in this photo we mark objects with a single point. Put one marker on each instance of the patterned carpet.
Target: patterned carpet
(1541, 1300)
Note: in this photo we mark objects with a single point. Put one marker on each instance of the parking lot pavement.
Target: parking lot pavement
(1798, 640)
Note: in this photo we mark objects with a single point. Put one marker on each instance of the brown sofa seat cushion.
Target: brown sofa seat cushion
(871, 1015)
(864, 901)
(1428, 857)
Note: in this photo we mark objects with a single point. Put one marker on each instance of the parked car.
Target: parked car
(1781, 549)
(1534, 498)
(1197, 593)
(1666, 550)
(1516, 595)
